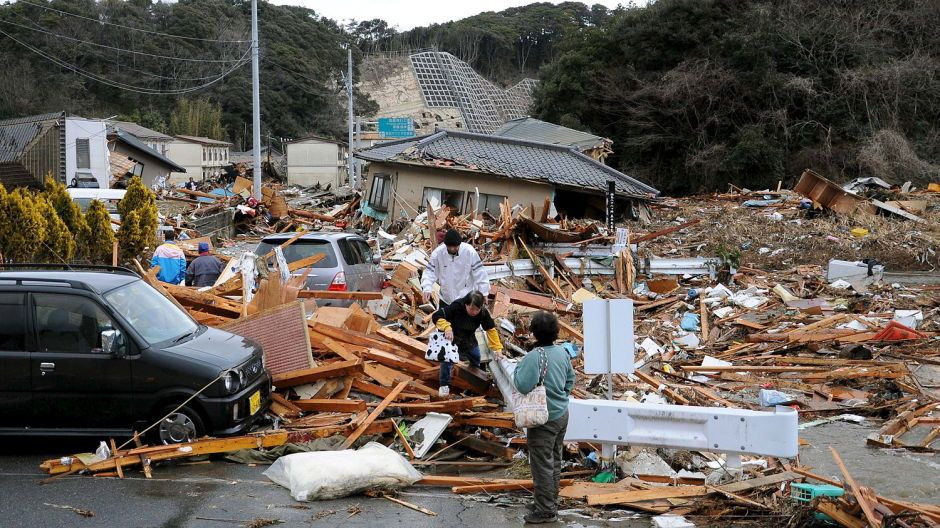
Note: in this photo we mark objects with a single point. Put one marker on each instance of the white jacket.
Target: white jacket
(457, 275)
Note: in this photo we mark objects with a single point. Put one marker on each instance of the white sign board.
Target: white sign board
(608, 336)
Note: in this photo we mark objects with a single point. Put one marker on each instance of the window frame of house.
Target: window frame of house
(457, 203)
(81, 163)
(485, 203)
(382, 203)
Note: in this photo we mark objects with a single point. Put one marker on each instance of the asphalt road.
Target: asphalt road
(221, 494)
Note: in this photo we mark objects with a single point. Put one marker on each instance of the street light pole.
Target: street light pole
(255, 102)
(350, 168)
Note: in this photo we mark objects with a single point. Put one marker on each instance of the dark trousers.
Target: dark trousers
(546, 444)
(471, 354)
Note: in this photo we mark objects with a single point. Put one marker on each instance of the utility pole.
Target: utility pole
(255, 102)
(350, 161)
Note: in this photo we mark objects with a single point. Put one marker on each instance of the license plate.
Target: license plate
(254, 402)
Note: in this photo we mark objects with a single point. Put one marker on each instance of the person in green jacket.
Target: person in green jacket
(551, 363)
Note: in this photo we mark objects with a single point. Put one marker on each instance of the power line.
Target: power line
(123, 86)
(215, 61)
(144, 72)
(127, 27)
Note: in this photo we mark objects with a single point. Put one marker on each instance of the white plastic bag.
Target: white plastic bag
(333, 474)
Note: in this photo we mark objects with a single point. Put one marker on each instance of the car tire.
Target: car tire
(182, 425)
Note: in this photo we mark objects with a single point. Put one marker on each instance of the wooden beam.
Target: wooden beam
(380, 391)
(867, 509)
(404, 441)
(305, 262)
(375, 414)
(532, 300)
(503, 486)
(750, 368)
(656, 234)
(486, 447)
(328, 405)
(671, 492)
(395, 362)
(331, 370)
(556, 289)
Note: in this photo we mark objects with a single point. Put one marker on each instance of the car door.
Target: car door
(15, 397)
(75, 384)
(373, 275)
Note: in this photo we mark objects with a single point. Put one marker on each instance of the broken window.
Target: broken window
(381, 190)
(82, 154)
(440, 197)
(488, 203)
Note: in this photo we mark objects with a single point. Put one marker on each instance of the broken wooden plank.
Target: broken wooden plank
(855, 490)
(331, 370)
(373, 415)
(671, 492)
(486, 447)
(326, 294)
(328, 405)
(503, 486)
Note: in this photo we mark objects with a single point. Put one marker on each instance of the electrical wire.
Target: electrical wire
(143, 72)
(126, 27)
(113, 48)
(127, 87)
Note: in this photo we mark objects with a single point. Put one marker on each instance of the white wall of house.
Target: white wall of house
(96, 133)
(313, 161)
(188, 155)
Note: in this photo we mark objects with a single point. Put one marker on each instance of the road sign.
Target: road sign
(608, 336)
(396, 127)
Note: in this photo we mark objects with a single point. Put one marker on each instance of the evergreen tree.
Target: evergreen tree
(139, 219)
(58, 244)
(65, 208)
(22, 226)
(97, 241)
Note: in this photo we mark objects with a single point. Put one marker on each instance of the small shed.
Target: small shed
(315, 160)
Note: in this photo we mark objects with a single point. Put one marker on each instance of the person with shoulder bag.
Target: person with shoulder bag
(547, 366)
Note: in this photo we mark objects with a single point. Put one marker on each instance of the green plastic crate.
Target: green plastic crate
(805, 493)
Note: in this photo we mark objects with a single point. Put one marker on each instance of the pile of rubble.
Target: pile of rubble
(833, 340)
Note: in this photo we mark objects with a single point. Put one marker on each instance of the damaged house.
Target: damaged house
(468, 172)
(537, 130)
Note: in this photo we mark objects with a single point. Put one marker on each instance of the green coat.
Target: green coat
(559, 379)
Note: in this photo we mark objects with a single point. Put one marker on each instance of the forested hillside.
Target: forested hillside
(694, 93)
(700, 93)
(157, 77)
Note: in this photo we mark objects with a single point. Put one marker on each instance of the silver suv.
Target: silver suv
(349, 264)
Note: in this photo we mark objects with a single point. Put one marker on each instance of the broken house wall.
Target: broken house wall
(312, 161)
(96, 133)
(153, 170)
(408, 184)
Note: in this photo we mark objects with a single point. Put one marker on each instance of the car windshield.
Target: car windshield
(152, 315)
(302, 249)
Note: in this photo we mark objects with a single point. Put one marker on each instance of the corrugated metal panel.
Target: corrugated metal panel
(282, 334)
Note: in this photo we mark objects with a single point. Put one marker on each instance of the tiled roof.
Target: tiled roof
(545, 132)
(135, 143)
(140, 132)
(513, 158)
(17, 134)
(205, 141)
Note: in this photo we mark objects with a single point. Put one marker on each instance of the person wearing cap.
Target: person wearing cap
(457, 268)
(171, 260)
(205, 269)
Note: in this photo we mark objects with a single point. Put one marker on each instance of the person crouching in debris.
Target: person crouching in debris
(457, 267)
(171, 260)
(204, 269)
(550, 364)
(459, 322)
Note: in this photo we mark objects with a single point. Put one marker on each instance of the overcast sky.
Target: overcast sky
(406, 14)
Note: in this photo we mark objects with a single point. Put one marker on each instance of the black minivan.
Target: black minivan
(102, 352)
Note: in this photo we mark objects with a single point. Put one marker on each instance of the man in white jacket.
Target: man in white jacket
(457, 267)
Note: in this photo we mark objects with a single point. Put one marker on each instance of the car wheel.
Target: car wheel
(182, 425)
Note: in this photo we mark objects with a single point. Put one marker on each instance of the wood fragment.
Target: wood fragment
(854, 489)
(373, 415)
(414, 507)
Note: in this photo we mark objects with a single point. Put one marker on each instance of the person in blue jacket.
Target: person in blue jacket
(171, 260)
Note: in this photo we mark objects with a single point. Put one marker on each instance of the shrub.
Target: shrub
(22, 227)
(97, 238)
(138, 219)
(58, 244)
